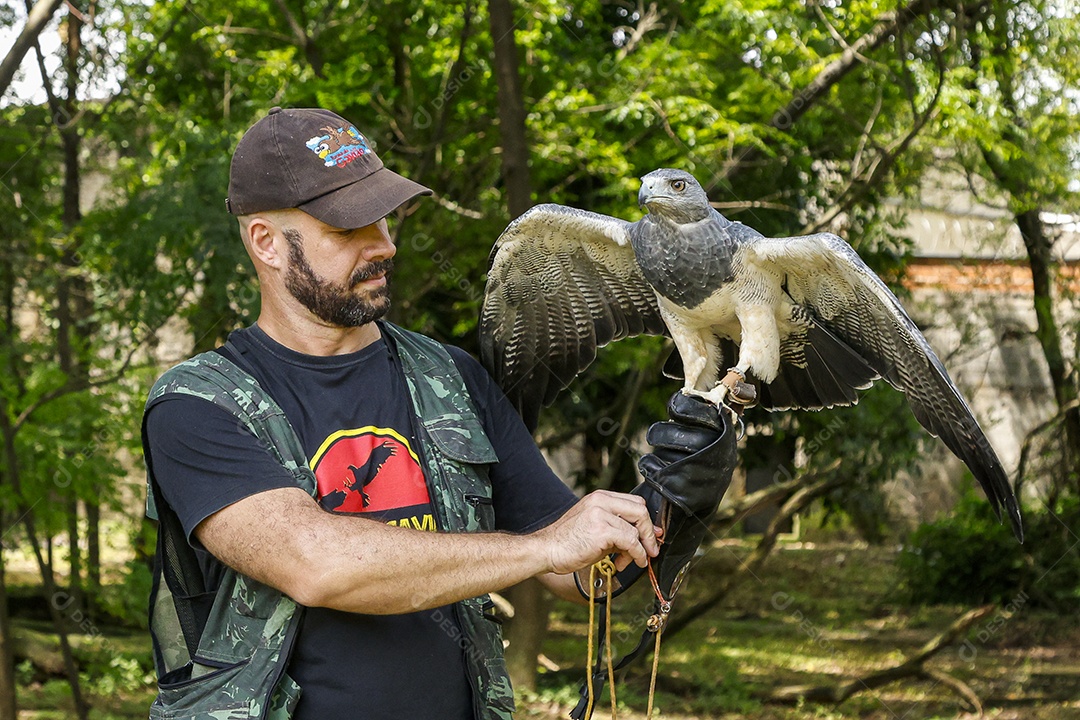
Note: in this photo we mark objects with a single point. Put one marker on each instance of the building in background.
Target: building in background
(971, 293)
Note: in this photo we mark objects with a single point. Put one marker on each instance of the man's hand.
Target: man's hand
(600, 524)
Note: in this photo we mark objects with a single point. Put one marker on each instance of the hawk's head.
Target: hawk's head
(675, 195)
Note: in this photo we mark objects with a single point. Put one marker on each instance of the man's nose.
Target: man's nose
(381, 246)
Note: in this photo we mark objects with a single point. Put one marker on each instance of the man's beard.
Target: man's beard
(332, 303)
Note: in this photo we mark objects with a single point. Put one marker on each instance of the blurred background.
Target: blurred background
(854, 571)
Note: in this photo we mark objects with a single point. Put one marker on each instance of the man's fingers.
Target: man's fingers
(626, 540)
(622, 561)
(632, 510)
(604, 523)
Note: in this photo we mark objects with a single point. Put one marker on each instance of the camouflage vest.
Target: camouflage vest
(221, 655)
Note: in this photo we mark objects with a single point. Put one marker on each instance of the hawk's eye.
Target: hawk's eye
(678, 185)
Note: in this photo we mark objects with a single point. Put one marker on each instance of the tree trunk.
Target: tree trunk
(53, 597)
(57, 601)
(8, 698)
(1039, 246)
(72, 316)
(527, 629)
(7, 656)
(1012, 173)
(515, 147)
(93, 557)
(75, 585)
(71, 292)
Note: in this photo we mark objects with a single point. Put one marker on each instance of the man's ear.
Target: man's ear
(265, 241)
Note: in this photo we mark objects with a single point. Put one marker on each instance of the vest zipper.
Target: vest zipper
(478, 500)
(286, 650)
(455, 608)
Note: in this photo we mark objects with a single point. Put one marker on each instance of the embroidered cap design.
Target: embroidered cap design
(338, 146)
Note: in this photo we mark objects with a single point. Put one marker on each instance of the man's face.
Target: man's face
(363, 298)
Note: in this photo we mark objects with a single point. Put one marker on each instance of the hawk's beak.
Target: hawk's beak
(645, 193)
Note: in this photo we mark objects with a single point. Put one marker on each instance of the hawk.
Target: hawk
(799, 322)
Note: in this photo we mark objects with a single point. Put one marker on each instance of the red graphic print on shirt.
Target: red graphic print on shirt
(373, 470)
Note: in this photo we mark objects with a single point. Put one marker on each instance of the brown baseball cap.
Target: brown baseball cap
(316, 161)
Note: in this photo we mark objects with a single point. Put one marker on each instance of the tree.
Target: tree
(1019, 126)
(525, 632)
(37, 17)
(73, 320)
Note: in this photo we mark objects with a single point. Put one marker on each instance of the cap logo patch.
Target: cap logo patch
(338, 146)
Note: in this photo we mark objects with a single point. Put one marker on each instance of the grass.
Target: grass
(815, 615)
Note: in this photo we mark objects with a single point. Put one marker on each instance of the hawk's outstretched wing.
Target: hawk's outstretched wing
(561, 283)
(856, 325)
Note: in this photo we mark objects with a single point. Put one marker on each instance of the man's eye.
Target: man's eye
(679, 185)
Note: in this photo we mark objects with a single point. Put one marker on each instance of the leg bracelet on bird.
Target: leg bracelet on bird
(739, 391)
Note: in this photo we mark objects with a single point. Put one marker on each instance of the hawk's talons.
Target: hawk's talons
(715, 396)
(739, 391)
(718, 396)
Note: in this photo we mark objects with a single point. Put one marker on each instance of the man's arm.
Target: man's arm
(282, 538)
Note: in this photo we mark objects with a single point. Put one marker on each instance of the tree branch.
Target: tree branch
(888, 24)
(456, 74)
(879, 169)
(455, 208)
(1025, 449)
(734, 512)
(70, 387)
(648, 20)
(911, 667)
(36, 20)
(304, 41)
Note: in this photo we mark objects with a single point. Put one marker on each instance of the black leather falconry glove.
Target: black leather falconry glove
(686, 477)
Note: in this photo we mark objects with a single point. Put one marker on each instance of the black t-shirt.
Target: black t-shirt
(353, 416)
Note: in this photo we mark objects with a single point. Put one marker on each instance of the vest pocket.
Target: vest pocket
(484, 507)
(249, 599)
(205, 697)
(461, 438)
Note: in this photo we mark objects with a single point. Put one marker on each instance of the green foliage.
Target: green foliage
(108, 674)
(971, 558)
(876, 439)
(125, 602)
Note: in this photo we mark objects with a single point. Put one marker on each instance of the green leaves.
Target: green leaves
(610, 95)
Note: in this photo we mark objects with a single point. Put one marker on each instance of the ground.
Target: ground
(816, 614)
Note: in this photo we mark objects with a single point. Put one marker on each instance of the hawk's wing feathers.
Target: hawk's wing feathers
(854, 309)
(562, 282)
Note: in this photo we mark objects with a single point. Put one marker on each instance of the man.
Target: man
(336, 494)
